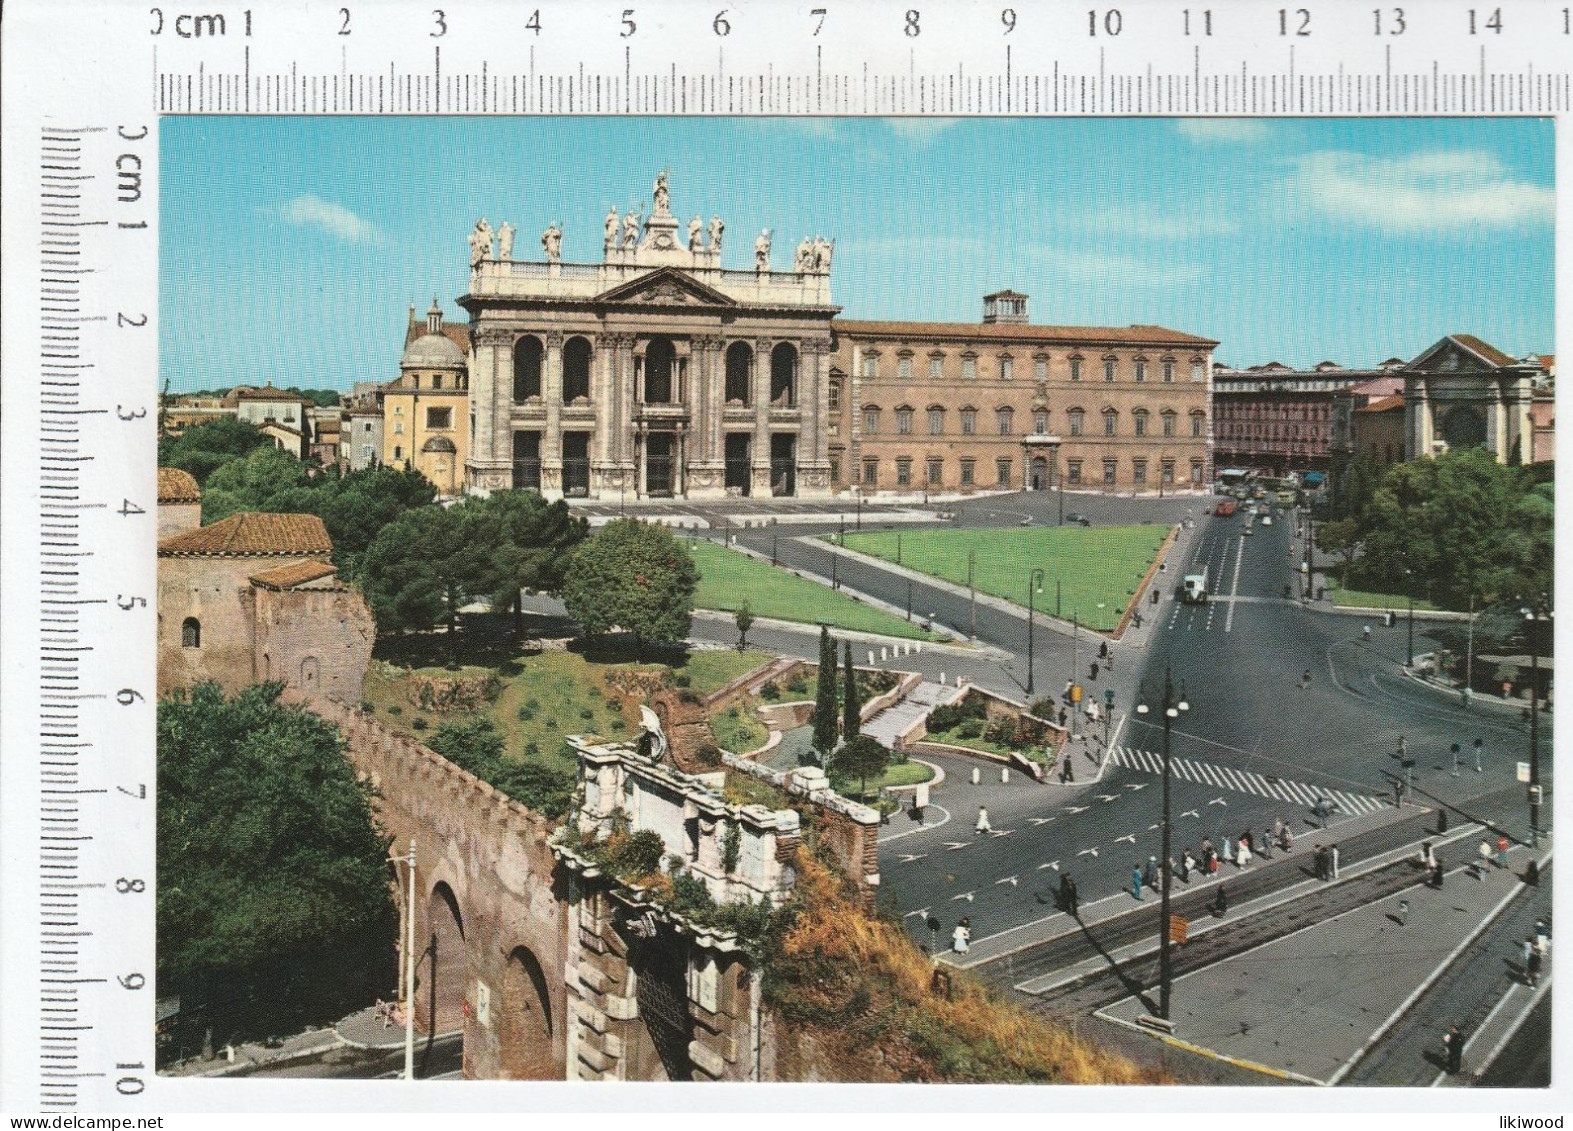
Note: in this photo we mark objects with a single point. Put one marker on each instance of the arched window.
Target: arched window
(1111, 421)
(1139, 417)
(1040, 422)
(904, 419)
(936, 420)
(783, 375)
(576, 370)
(1075, 417)
(1005, 416)
(739, 374)
(660, 364)
(527, 354)
(870, 419)
(191, 633)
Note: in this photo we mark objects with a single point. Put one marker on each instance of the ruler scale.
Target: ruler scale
(81, 319)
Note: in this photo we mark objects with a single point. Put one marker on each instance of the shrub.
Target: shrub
(1002, 731)
(797, 685)
(690, 897)
(586, 713)
(708, 754)
(546, 789)
(683, 680)
(419, 723)
(551, 723)
(368, 707)
(525, 713)
(532, 749)
(689, 697)
(395, 710)
(970, 728)
(1046, 709)
(731, 846)
(770, 692)
(618, 726)
(639, 855)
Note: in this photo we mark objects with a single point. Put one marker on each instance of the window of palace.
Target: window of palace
(968, 472)
(904, 421)
(1167, 472)
(1110, 419)
(1108, 472)
(1139, 471)
(1168, 423)
(367, 452)
(1075, 417)
(1040, 422)
(1139, 420)
(398, 452)
(870, 420)
(835, 467)
(936, 470)
(903, 472)
(969, 367)
(1040, 369)
(1198, 370)
(1076, 368)
(1006, 416)
(870, 472)
(191, 633)
(936, 366)
(1168, 370)
(439, 419)
(969, 421)
(398, 427)
(835, 394)
(1196, 471)
(1198, 422)
(1002, 472)
(436, 381)
(871, 365)
(1108, 368)
(904, 366)
(1073, 471)
(936, 421)
(1141, 369)
(1007, 364)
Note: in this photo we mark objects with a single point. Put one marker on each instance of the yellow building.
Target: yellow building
(425, 413)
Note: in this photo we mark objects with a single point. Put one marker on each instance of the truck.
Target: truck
(1226, 508)
(1194, 589)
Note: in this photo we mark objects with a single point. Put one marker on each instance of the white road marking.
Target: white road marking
(1088, 852)
(909, 857)
(1042, 820)
(1128, 837)
(952, 845)
(1076, 808)
(1219, 801)
(1192, 813)
(1001, 832)
(1234, 588)
(1055, 864)
(919, 911)
(1134, 785)
(1011, 880)
(1108, 797)
(967, 895)
(1247, 781)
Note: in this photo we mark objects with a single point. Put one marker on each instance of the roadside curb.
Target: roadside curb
(1187, 1046)
(959, 648)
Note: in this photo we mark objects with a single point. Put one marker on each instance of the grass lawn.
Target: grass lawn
(1096, 565)
(727, 578)
(1041, 754)
(1357, 599)
(738, 729)
(898, 773)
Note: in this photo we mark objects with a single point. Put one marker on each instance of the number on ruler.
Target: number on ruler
(127, 507)
(1493, 22)
(127, 696)
(129, 603)
(629, 27)
(344, 16)
(1395, 24)
(720, 25)
(820, 12)
(140, 794)
(133, 414)
(1206, 21)
(128, 320)
(1303, 27)
(1008, 18)
(1567, 21)
(534, 22)
(1113, 22)
(132, 981)
(129, 1085)
(126, 885)
(912, 30)
(442, 23)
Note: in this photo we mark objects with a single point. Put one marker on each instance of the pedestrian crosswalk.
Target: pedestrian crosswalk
(1233, 778)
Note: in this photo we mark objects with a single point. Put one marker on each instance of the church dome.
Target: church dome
(439, 444)
(432, 351)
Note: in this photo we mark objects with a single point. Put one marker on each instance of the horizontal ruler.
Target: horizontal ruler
(884, 58)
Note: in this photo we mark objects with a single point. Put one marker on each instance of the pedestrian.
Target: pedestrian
(1525, 949)
(1075, 901)
(1305, 679)
(1150, 873)
(961, 937)
(1426, 859)
(1501, 852)
(1366, 632)
(1220, 903)
(1267, 844)
(1212, 862)
(1136, 619)
(1288, 839)
(1485, 857)
(1243, 859)
(1227, 853)
(1187, 862)
(1136, 880)
(1441, 822)
(1063, 717)
(1320, 859)
(1332, 853)
(1543, 935)
(1436, 875)
(1532, 968)
(1403, 746)
(1454, 1040)
(1403, 913)
(1094, 670)
(983, 825)
(1103, 649)
(1478, 746)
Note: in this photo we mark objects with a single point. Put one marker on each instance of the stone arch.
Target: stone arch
(1464, 427)
(191, 633)
(522, 1011)
(527, 358)
(739, 373)
(783, 375)
(443, 971)
(577, 355)
(660, 371)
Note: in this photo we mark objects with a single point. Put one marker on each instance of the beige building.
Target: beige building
(179, 502)
(425, 411)
(994, 405)
(1462, 393)
(254, 597)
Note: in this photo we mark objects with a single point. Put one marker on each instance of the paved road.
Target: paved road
(443, 1059)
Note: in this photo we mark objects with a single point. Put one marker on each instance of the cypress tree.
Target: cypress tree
(851, 721)
(825, 697)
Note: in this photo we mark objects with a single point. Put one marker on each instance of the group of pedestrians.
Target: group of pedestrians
(1208, 858)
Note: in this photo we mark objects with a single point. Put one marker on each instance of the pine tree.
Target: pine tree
(825, 698)
(852, 720)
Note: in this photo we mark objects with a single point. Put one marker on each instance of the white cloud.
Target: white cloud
(920, 130)
(1114, 269)
(1442, 192)
(1151, 222)
(308, 211)
(1233, 131)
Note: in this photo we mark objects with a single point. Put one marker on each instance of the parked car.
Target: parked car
(1267, 520)
(1078, 519)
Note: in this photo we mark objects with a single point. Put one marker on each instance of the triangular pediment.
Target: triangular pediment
(1451, 356)
(666, 286)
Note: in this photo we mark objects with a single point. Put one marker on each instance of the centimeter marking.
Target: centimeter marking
(1060, 88)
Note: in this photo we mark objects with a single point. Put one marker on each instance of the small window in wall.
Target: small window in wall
(1139, 471)
(1040, 422)
(835, 395)
(1002, 472)
(1075, 416)
(1168, 424)
(903, 472)
(436, 382)
(1109, 420)
(1141, 369)
(1108, 369)
(1198, 371)
(904, 367)
(904, 421)
(936, 421)
(870, 366)
(1196, 471)
(1075, 369)
(936, 368)
(936, 469)
(191, 633)
(1040, 369)
(1108, 472)
(398, 427)
(1007, 368)
(870, 472)
(439, 419)
(1006, 416)
(1168, 371)
(870, 421)
(1167, 472)
(969, 368)
(398, 452)
(835, 469)
(1140, 420)
(969, 421)
(968, 472)
(1073, 471)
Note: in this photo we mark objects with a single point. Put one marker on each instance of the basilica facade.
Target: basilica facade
(655, 372)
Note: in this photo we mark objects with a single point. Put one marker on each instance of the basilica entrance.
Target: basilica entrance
(783, 464)
(1040, 474)
(526, 461)
(660, 448)
(576, 464)
(738, 462)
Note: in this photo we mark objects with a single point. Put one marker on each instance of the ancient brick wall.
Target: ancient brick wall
(317, 640)
(210, 591)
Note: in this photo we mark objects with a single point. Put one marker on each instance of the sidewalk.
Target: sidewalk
(1308, 1005)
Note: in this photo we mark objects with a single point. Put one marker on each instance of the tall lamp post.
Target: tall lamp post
(1171, 711)
(1409, 584)
(1034, 581)
(1534, 617)
(972, 593)
(1059, 484)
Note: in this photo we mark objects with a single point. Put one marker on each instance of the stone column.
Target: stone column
(489, 467)
(761, 462)
(702, 468)
(552, 440)
(644, 460)
(813, 457)
(1501, 441)
(679, 460)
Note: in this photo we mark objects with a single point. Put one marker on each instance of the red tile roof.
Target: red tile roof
(1378, 387)
(1386, 404)
(297, 573)
(1073, 335)
(457, 332)
(176, 486)
(251, 534)
(1485, 349)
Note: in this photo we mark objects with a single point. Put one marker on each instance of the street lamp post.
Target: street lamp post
(1409, 584)
(909, 600)
(972, 593)
(1034, 579)
(1171, 711)
(409, 970)
(1075, 639)
(1533, 618)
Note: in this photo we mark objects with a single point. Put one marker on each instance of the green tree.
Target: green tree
(744, 619)
(204, 448)
(632, 576)
(863, 757)
(529, 543)
(477, 746)
(851, 706)
(356, 506)
(265, 479)
(422, 568)
(470, 744)
(825, 698)
(273, 903)
(1339, 536)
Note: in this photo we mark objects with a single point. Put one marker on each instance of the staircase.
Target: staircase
(889, 725)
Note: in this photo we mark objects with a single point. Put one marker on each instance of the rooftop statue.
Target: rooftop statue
(694, 227)
(505, 241)
(611, 228)
(652, 741)
(762, 251)
(631, 230)
(662, 194)
(716, 228)
(480, 242)
(552, 241)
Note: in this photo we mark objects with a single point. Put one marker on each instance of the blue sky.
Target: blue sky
(290, 248)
